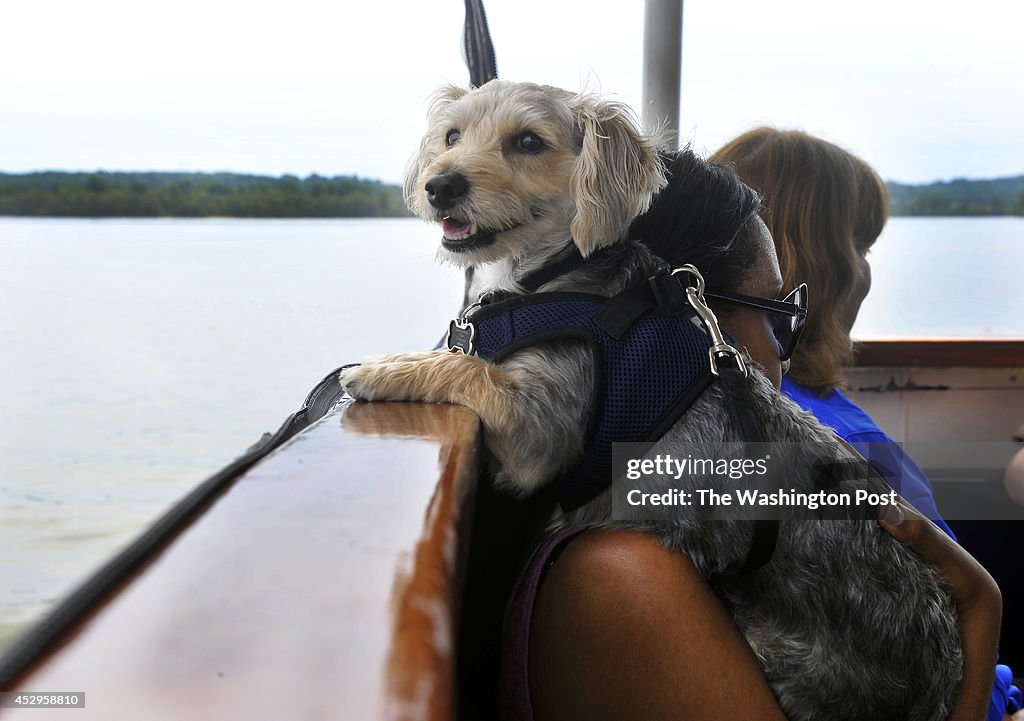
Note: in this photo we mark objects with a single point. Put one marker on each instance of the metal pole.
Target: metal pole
(663, 56)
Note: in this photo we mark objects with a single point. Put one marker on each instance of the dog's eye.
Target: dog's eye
(452, 137)
(530, 143)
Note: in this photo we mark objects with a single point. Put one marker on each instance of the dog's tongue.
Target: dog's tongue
(454, 229)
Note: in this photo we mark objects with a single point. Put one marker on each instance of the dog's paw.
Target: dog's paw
(351, 380)
(388, 378)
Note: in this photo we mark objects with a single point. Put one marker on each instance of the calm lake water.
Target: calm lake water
(140, 356)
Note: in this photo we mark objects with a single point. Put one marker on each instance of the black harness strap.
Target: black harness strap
(530, 282)
(734, 382)
(766, 531)
(662, 291)
(542, 276)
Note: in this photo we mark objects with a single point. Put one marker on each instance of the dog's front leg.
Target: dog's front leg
(432, 377)
(532, 420)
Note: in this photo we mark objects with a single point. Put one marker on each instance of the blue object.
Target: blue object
(667, 344)
(857, 428)
(1006, 698)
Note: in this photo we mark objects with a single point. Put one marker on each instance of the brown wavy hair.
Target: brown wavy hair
(824, 207)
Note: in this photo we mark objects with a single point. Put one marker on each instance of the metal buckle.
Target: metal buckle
(719, 348)
(461, 336)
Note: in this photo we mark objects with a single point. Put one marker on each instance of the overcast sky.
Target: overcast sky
(923, 90)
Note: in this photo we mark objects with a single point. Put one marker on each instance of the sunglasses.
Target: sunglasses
(791, 314)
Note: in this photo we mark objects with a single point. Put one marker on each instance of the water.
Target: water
(946, 277)
(139, 356)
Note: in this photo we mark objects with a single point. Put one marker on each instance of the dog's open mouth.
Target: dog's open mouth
(460, 236)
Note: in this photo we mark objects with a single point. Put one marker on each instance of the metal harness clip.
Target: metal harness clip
(719, 348)
(461, 336)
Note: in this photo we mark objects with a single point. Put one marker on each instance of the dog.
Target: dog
(518, 175)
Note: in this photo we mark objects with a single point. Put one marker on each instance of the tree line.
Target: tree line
(1002, 196)
(104, 194)
(196, 195)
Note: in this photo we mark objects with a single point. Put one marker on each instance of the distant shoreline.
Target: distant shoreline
(999, 196)
(233, 195)
(196, 195)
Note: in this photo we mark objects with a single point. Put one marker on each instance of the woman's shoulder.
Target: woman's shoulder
(618, 617)
(602, 568)
(603, 580)
(833, 408)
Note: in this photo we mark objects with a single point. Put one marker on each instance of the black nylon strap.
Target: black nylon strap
(663, 291)
(23, 652)
(477, 45)
(548, 273)
(766, 531)
(624, 309)
(542, 276)
(735, 384)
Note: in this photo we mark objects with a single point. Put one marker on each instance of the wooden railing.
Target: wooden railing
(942, 390)
(325, 583)
(942, 352)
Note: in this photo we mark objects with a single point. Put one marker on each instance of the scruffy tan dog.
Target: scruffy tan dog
(517, 173)
(846, 622)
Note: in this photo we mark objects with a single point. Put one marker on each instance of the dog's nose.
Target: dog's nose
(444, 189)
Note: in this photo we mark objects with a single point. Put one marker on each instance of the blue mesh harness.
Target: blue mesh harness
(651, 362)
(650, 354)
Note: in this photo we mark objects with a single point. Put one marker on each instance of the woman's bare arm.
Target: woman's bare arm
(624, 629)
(978, 605)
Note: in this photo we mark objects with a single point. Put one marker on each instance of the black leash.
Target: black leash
(766, 530)
(18, 658)
(477, 45)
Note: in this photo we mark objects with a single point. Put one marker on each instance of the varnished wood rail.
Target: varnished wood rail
(942, 352)
(324, 584)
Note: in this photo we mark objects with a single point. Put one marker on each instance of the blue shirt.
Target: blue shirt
(857, 428)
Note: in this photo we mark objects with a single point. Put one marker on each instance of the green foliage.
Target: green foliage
(196, 195)
(1002, 196)
(255, 196)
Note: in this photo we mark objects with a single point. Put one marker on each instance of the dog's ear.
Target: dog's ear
(615, 176)
(444, 96)
(427, 151)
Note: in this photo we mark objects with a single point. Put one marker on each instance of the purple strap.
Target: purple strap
(514, 702)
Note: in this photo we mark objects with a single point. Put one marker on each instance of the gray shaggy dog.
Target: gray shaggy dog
(847, 622)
